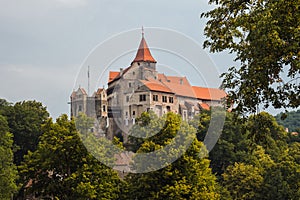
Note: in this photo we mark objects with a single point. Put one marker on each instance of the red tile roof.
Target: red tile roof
(113, 75)
(143, 53)
(162, 77)
(116, 75)
(204, 106)
(208, 93)
(173, 79)
(178, 85)
(156, 86)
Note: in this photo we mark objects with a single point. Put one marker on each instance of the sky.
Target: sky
(46, 44)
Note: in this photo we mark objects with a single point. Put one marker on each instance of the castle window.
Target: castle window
(155, 97)
(164, 99)
(168, 108)
(171, 100)
(133, 73)
(104, 108)
(133, 112)
(79, 108)
(142, 97)
(127, 98)
(129, 84)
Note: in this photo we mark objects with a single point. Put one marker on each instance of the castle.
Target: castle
(140, 88)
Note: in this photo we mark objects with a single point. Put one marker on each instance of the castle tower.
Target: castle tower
(143, 54)
(144, 61)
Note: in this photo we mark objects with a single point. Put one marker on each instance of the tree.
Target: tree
(201, 123)
(189, 177)
(62, 168)
(25, 120)
(281, 181)
(264, 35)
(84, 124)
(289, 120)
(243, 181)
(231, 147)
(262, 129)
(8, 171)
(278, 178)
(4, 106)
(147, 125)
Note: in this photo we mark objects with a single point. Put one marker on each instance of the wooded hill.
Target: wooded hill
(290, 120)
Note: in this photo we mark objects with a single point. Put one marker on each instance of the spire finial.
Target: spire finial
(143, 31)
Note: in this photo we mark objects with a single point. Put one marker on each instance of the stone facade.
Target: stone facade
(93, 106)
(140, 88)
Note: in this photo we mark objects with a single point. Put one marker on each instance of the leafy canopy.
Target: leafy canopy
(24, 120)
(62, 168)
(189, 177)
(265, 36)
(8, 172)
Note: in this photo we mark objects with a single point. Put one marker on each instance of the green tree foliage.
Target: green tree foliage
(25, 120)
(201, 123)
(289, 120)
(262, 129)
(147, 124)
(8, 171)
(4, 106)
(252, 158)
(264, 35)
(189, 177)
(62, 168)
(294, 152)
(243, 181)
(281, 178)
(281, 181)
(231, 147)
(84, 124)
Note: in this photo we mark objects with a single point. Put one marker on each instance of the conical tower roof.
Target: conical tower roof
(143, 53)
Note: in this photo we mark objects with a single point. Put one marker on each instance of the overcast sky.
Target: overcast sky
(43, 43)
